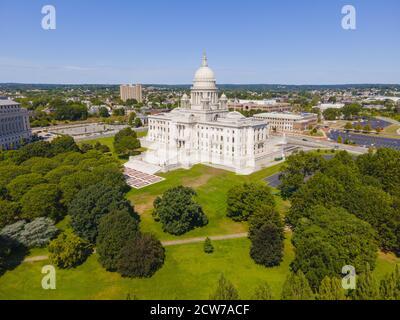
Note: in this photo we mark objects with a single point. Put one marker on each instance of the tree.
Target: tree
(296, 287)
(37, 233)
(126, 142)
(262, 292)
(141, 257)
(115, 229)
(244, 199)
(225, 290)
(55, 175)
(367, 287)
(267, 245)
(298, 168)
(103, 112)
(178, 211)
(64, 144)
(68, 250)
(5, 251)
(35, 149)
(348, 126)
(331, 289)
(350, 111)
(93, 203)
(330, 239)
(208, 247)
(367, 128)
(132, 117)
(119, 112)
(21, 184)
(42, 165)
(390, 285)
(375, 206)
(319, 190)
(331, 114)
(138, 123)
(9, 213)
(42, 200)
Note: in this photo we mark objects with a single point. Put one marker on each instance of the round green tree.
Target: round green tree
(178, 211)
(141, 257)
(115, 230)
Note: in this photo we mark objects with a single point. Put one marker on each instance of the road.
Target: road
(323, 144)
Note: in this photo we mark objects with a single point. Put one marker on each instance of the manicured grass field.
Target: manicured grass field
(188, 273)
(211, 186)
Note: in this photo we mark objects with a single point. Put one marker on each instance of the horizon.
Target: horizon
(159, 42)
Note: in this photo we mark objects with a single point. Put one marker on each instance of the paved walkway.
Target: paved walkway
(201, 239)
(167, 243)
(36, 259)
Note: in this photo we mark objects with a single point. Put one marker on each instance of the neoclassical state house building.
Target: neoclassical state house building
(14, 124)
(202, 130)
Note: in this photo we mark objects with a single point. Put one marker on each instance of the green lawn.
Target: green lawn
(211, 186)
(188, 273)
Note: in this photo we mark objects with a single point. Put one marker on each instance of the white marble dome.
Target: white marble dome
(204, 77)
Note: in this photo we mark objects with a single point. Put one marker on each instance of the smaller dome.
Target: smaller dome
(185, 97)
(223, 97)
(235, 115)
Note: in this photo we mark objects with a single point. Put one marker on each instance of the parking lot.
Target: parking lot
(365, 140)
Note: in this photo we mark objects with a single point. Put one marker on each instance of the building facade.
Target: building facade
(259, 105)
(130, 92)
(203, 130)
(288, 122)
(14, 124)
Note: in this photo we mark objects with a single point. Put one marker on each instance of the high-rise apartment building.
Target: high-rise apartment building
(129, 91)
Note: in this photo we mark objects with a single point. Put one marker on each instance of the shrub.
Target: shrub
(115, 230)
(37, 233)
(68, 250)
(178, 212)
(141, 257)
(208, 247)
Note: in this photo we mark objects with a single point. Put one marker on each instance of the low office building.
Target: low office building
(14, 124)
(261, 105)
(288, 122)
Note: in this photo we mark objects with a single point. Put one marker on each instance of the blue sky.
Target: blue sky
(161, 41)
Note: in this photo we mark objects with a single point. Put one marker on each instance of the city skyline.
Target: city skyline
(262, 42)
